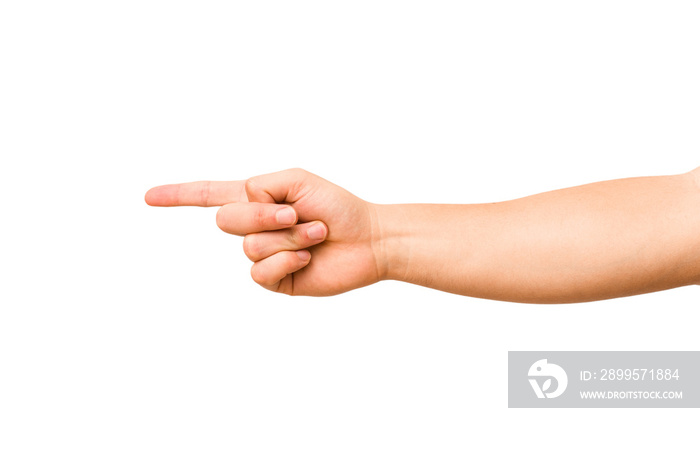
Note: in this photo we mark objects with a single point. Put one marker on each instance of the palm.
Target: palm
(345, 260)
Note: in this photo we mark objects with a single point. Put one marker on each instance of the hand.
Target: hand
(323, 245)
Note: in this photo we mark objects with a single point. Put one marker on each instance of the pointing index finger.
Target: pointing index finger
(197, 193)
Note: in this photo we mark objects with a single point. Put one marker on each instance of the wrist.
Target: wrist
(391, 240)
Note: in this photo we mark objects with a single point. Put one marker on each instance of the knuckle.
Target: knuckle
(259, 217)
(257, 275)
(204, 193)
(295, 238)
(251, 247)
(249, 185)
(297, 172)
(260, 277)
(221, 218)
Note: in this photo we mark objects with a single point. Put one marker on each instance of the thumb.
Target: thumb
(287, 186)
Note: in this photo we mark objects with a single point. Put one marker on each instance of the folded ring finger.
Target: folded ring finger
(258, 246)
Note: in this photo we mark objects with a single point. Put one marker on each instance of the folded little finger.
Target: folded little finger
(271, 270)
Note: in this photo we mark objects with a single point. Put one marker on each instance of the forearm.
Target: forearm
(597, 241)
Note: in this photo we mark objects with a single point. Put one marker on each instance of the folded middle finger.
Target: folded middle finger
(242, 218)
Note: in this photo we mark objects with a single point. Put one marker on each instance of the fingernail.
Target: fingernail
(304, 255)
(317, 231)
(286, 216)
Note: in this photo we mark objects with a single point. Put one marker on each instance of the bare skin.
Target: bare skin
(597, 241)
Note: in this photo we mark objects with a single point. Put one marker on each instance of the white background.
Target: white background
(134, 335)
